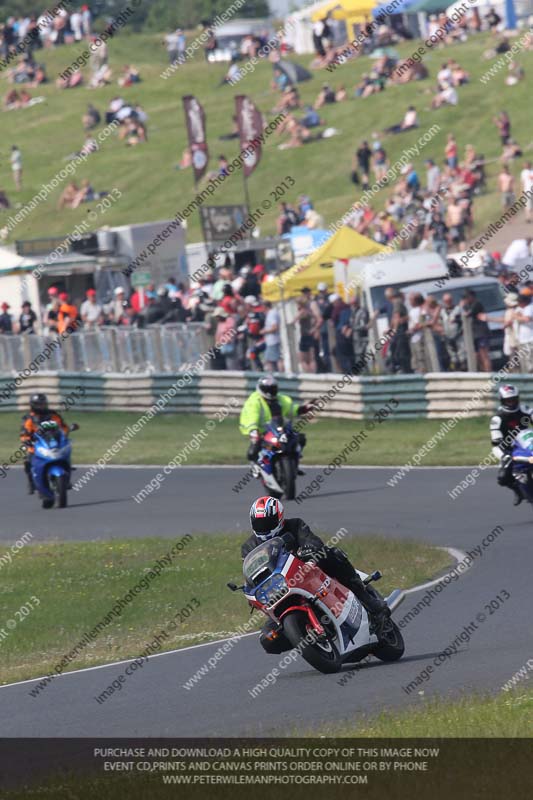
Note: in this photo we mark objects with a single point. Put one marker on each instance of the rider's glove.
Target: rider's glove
(307, 553)
(311, 405)
(254, 437)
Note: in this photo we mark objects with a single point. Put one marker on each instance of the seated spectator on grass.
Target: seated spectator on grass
(233, 75)
(407, 71)
(85, 195)
(74, 80)
(409, 122)
(91, 118)
(130, 75)
(341, 94)
(115, 104)
(289, 100)
(68, 195)
(516, 74)
(135, 133)
(325, 96)
(4, 202)
(447, 97)
(22, 99)
(102, 77)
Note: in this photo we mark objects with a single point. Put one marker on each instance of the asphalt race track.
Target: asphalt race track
(153, 701)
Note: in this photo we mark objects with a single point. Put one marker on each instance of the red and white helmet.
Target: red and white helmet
(509, 399)
(266, 517)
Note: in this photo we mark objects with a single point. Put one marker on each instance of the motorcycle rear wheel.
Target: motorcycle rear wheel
(391, 647)
(324, 658)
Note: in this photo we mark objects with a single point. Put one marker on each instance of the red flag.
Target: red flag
(195, 122)
(250, 124)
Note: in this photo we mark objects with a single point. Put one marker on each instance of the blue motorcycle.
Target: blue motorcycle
(522, 455)
(50, 463)
(279, 458)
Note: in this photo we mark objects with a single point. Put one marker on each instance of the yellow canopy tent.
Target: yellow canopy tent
(318, 266)
(349, 10)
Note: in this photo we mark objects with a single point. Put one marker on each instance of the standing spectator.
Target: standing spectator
(380, 163)
(173, 44)
(450, 151)
(455, 221)
(287, 219)
(524, 317)
(475, 310)
(273, 360)
(6, 322)
(27, 319)
(86, 21)
(324, 310)
(503, 123)
(453, 332)
(225, 339)
(16, 166)
(67, 318)
(91, 312)
(526, 184)
(400, 351)
(432, 176)
(117, 311)
(309, 325)
(435, 324)
(437, 231)
(506, 187)
(362, 161)
(416, 331)
(511, 328)
(360, 323)
(344, 340)
(76, 23)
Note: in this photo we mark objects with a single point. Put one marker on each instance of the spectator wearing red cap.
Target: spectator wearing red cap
(91, 312)
(6, 323)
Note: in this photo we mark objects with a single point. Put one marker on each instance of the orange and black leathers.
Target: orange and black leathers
(31, 422)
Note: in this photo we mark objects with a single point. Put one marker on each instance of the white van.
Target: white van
(372, 275)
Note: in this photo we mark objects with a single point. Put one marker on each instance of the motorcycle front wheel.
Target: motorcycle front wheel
(320, 654)
(60, 490)
(285, 472)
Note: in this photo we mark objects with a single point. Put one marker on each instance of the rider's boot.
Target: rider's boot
(27, 470)
(377, 609)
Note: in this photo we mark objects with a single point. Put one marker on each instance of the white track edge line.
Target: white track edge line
(454, 552)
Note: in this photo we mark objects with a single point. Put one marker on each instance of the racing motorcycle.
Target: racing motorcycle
(278, 459)
(317, 614)
(50, 463)
(522, 455)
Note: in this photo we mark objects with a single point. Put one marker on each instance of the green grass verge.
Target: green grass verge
(77, 584)
(152, 189)
(508, 714)
(391, 443)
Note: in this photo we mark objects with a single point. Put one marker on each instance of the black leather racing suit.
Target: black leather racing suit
(333, 561)
(504, 427)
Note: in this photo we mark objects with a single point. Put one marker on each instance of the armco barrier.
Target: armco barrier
(435, 395)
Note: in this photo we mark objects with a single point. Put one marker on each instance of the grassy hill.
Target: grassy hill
(152, 188)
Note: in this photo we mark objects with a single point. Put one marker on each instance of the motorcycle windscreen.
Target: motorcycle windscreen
(261, 562)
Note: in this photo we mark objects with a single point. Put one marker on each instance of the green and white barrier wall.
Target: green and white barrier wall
(433, 395)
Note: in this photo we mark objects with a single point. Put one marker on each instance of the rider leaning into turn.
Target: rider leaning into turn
(267, 520)
(263, 405)
(512, 417)
(39, 412)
